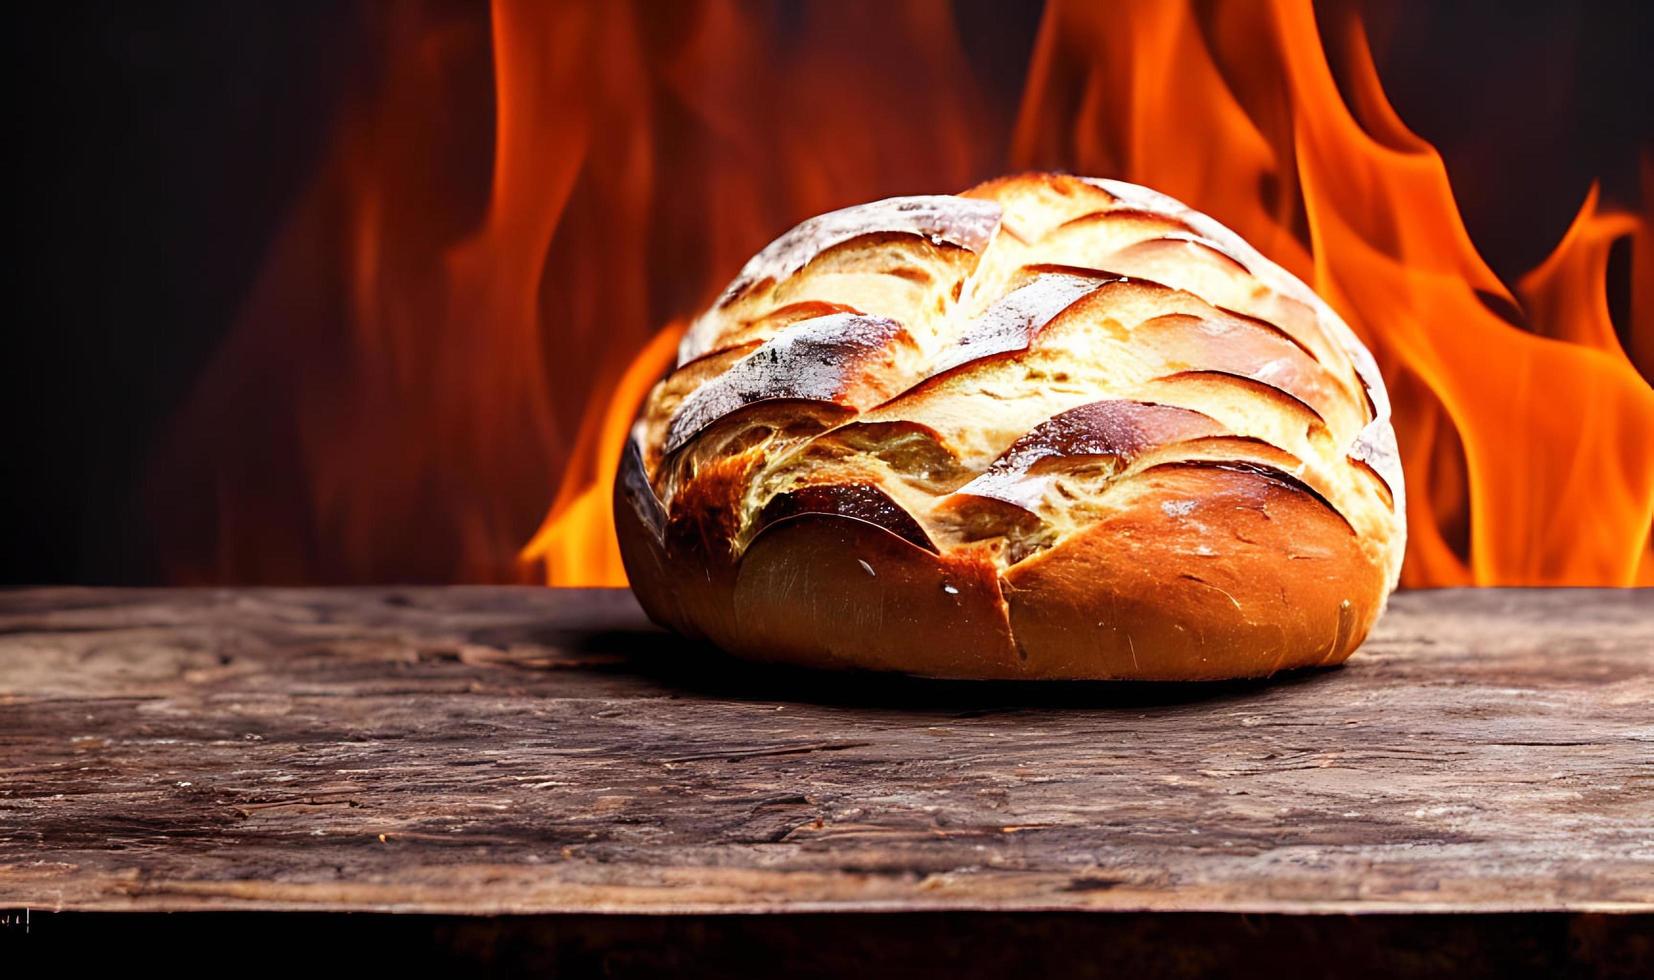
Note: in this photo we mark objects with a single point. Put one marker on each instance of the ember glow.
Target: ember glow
(436, 347)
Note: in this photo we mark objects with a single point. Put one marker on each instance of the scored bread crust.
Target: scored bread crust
(1052, 427)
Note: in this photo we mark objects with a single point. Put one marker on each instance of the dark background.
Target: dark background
(159, 145)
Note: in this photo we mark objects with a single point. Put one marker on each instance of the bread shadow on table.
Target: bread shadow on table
(698, 669)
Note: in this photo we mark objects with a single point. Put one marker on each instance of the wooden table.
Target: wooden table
(546, 758)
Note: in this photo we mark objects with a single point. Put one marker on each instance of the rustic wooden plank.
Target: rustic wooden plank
(529, 750)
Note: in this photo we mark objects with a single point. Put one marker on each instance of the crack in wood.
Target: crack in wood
(736, 756)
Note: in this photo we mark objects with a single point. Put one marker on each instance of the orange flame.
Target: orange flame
(401, 391)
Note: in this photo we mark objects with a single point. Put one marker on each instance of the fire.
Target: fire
(576, 542)
(1527, 451)
(435, 341)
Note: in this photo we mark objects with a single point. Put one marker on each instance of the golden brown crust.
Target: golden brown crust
(1048, 428)
(1151, 592)
(833, 591)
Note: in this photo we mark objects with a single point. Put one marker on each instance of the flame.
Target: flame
(440, 335)
(576, 542)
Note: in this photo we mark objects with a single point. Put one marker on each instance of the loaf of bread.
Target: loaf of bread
(1052, 427)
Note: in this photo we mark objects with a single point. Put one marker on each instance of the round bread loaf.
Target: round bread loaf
(1052, 427)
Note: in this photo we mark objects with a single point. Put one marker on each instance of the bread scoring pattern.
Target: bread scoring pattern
(1050, 427)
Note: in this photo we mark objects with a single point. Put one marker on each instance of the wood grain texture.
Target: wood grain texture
(529, 750)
